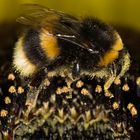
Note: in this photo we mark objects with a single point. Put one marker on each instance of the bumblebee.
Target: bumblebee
(58, 44)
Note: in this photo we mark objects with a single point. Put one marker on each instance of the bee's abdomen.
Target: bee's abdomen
(33, 49)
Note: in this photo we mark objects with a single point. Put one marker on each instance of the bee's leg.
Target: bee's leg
(39, 77)
(109, 82)
(71, 77)
(110, 79)
(35, 88)
(125, 64)
(76, 70)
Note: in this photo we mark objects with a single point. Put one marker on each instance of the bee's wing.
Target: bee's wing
(36, 15)
(64, 26)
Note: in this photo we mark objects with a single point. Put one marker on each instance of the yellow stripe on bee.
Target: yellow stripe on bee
(118, 44)
(21, 62)
(109, 57)
(49, 44)
(112, 54)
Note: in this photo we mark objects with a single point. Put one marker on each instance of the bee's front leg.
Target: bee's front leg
(110, 78)
(125, 64)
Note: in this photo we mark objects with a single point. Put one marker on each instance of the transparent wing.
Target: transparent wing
(64, 26)
(36, 15)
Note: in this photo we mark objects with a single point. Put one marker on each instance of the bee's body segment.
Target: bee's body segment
(49, 44)
(113, 53)
(32, 47)
(21, 62)
(69, 46)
